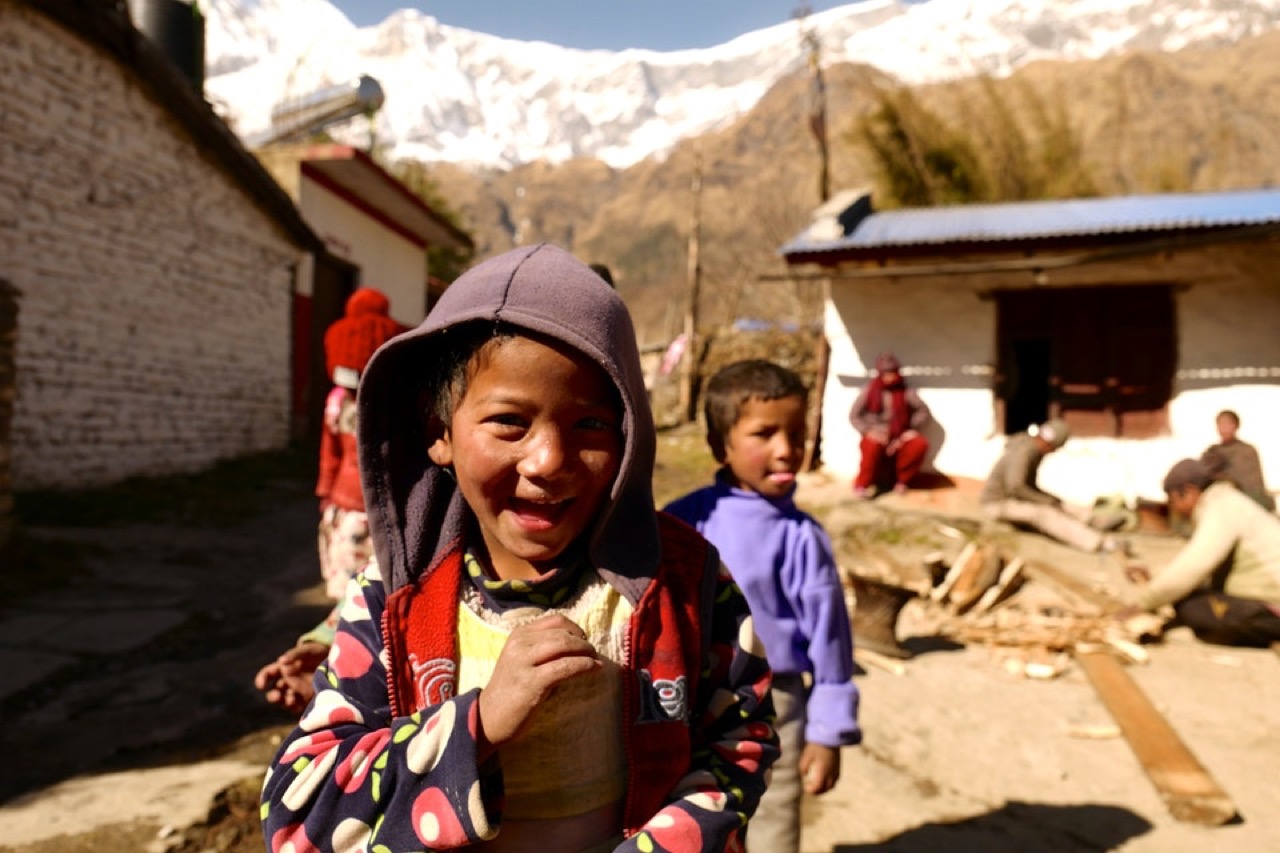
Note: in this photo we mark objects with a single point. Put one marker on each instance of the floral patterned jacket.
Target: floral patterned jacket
(354, 776)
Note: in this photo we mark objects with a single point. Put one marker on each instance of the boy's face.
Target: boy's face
(765, 447)
(1227, 427)
(535, 444)
(1182, 501)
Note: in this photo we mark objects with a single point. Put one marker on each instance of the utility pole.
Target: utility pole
(817, 101)
(688, 402)
(818, 126)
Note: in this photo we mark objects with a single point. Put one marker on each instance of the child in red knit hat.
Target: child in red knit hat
(344, 542)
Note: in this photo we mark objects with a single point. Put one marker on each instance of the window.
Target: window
(1102, 358)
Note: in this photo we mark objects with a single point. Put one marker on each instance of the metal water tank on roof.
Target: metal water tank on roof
(177, 28)
(324, 107)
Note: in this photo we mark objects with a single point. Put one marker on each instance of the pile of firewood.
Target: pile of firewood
(981, 597)
(1037, 631)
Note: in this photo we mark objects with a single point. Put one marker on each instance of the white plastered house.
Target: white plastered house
(376, 233)
(1135, 318)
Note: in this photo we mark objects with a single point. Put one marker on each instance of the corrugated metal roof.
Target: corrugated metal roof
(1032, 220)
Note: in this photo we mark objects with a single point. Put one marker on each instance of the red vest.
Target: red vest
(664, 652)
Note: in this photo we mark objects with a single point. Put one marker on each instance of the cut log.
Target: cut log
(1006, 585)
(977, 575)
(875, 615)
(941, 591)
(1189, 792)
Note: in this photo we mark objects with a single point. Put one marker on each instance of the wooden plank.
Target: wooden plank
(1189, 791)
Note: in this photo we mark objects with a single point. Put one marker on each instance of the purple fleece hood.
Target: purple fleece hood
(416, 513)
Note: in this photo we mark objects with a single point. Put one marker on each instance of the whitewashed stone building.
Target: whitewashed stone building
(154, 258)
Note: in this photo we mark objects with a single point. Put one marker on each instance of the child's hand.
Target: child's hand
(819, 768)
(286, 681)
(536, 658)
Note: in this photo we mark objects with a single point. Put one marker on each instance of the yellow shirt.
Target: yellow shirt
(565, 775)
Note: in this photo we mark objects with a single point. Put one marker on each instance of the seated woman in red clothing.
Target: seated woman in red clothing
(890, 417)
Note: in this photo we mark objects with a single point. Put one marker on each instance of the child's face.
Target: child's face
(535, 444)
(1227, 428)
(1183, 501)
(765, 447)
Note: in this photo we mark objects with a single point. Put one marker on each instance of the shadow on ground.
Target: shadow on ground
(1040, 827)
(150, 646)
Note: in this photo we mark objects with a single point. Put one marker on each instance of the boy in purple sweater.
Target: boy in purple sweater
(781, 558)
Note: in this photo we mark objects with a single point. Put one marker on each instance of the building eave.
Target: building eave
(353, 174)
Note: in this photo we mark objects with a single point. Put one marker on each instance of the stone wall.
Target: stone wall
(156, 293)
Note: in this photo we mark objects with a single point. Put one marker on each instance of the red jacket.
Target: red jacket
(339, 479)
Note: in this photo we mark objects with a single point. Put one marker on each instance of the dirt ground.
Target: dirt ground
(162, 748)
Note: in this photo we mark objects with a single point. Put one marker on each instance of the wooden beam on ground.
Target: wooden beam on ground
(1189, 791)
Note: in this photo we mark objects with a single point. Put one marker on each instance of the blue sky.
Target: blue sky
(611, 24)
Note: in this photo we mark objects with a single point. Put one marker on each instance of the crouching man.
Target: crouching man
(1225, 582)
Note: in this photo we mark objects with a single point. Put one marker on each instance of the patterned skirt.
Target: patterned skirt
(345, 548)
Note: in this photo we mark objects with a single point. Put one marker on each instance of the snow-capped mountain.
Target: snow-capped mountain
(462, 96)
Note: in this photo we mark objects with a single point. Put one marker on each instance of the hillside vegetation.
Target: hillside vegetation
(1199, 119)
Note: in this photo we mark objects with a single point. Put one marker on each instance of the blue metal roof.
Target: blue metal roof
(1030, 220)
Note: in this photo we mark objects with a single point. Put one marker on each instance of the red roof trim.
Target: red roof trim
(312, 173)
(347, 152)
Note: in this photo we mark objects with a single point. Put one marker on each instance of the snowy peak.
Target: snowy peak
(463, 96)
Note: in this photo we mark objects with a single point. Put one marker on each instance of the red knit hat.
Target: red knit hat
(351, 341)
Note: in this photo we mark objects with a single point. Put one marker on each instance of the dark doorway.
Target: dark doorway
(335, 280)
(1102, 358)
(1028, 401)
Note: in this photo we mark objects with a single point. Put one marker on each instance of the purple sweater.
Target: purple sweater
(781, 558)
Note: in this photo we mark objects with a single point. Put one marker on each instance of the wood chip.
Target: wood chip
(888, 664)
(1094, 731)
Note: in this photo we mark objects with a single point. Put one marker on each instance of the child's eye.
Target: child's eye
(596, 423)
(506, 419)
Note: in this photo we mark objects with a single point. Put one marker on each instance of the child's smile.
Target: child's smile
(535, 444)
(538, 515)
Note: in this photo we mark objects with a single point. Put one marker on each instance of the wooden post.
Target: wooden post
(688, 401)
(1189, 792)
(813, 453)
(817, 103)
